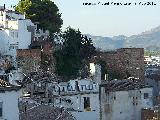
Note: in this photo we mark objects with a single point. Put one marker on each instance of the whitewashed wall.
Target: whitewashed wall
(14, 33)
(10, 105)
(77, 103)
(125, 105)
(24, 37)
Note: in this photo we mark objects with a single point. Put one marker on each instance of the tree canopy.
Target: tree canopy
(76, 49)
(45, 12)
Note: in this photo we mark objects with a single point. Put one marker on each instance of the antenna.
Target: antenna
(4, 6)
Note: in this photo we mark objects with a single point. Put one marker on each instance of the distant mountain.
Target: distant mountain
(149, 40)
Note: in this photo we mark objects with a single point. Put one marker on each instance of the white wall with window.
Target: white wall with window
(146, 97)
(125, 104)
(14, 33)
(80, 95)
(9, 105)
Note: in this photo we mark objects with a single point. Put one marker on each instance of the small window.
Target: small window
(12, 34)
(16, 34)
(1, 14)
(146, 95)
(86, 103)
(1, 109)
(16, 47)
(63, 89)
(11, 47)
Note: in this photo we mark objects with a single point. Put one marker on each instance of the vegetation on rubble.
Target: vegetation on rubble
(76, 49)
(45, 12)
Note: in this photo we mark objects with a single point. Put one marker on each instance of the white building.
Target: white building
(14, 76)
(147, 59)
(95, 72)
(80, 97)
(16, 32)
(123, 100)
(152, 60)
(9, 97)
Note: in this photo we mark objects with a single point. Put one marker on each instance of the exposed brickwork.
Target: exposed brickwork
(46, 47)
(40, 54)
(28, 59)
(29, 53)
(147, 114)
(125, 62)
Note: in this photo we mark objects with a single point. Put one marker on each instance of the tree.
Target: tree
(45, 12)
(76, 50)
(23, 6)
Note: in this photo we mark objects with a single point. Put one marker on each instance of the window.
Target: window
(1, 14)
(16, 47)
(12, 34)
(86, 103)
(146, 95)
(13, 46)
(135, 103)
(16, 34)
(1, 109)
(63, 89)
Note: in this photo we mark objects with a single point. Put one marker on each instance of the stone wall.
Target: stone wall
(123, 63)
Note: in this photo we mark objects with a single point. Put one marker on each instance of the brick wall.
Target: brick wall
(29, 53)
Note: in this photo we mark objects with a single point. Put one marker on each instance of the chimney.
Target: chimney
(4, 6)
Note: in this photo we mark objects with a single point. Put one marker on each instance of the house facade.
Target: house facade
(123, 100)
(79, 97)
(9, 97)
(16, 32)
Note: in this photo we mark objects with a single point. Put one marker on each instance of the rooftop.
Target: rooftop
(42, 112)
(123, 85)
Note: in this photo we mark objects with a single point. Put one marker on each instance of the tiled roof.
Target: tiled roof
(43, 112)
(123, 85)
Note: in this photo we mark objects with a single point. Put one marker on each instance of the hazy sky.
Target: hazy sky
(107, 20)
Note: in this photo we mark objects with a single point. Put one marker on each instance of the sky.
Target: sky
(103, 20)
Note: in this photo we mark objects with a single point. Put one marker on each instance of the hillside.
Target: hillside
(149, 40)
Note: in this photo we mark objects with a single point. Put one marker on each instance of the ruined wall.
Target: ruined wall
(28, 59)
(133, 61)
(124, 62)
